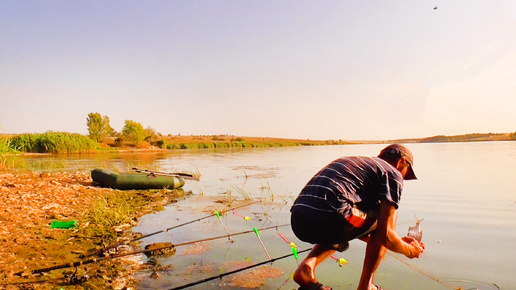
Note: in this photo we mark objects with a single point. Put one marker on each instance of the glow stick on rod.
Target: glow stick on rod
(340, 261)
(246, 218)
(292, 246)
(229, 236)
(263, 246)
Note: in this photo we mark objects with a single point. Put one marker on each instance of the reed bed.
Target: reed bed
(53, 142)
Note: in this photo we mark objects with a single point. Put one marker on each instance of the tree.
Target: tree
(98, 126)
(151, 135)
(133, 131)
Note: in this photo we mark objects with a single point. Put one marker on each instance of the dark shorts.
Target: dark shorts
(333, 233)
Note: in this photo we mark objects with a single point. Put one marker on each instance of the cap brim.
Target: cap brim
(410, 174)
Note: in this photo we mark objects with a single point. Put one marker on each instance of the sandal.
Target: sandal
(314, 286)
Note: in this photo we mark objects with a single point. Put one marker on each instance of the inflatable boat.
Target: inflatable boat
(107, 178)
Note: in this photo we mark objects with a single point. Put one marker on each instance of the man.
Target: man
(354, 197)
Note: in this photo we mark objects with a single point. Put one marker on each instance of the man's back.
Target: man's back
(348, 182)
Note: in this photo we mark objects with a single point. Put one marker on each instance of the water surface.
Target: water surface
(465, 193)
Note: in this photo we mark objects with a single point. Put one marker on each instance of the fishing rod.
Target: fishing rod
(100, 259)
(171, 228)
(261, 242)
(154, 173)
(224, 225)
(193, 221)
(174, 227)
(34, 282)
(237, 270)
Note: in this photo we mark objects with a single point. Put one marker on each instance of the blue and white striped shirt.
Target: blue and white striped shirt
(347, 182)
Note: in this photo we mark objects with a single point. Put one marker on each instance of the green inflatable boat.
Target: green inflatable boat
(107, 178)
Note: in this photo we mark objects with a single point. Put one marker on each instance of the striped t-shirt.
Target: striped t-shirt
(349, 182)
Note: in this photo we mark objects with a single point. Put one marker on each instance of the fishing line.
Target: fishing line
(236, 271)
(100, 259)
(422, 272)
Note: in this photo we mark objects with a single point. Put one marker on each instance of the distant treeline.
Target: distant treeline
(465, 138)
(231, 144)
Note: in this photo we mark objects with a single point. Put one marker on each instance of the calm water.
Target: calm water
(465, 193)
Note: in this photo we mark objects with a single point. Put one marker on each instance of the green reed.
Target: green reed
(5, 146)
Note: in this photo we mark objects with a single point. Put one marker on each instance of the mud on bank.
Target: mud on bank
(30, 201)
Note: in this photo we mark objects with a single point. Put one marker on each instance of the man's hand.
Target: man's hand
(415, 247)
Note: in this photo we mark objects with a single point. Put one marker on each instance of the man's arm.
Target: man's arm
(389, 238)
(383, 238)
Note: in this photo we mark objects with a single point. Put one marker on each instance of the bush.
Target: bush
(173, 146)
(161, 144)
(119, 142)
(151, 135)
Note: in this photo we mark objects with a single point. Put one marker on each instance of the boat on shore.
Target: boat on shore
(124, 181)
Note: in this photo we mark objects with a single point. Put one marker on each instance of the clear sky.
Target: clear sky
(342, 69)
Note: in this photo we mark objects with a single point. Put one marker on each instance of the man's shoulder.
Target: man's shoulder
(373, 165)
(363, 161)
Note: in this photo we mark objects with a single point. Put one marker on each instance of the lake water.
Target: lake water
(466, 194)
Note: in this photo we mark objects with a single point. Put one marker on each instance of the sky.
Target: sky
(350, 70)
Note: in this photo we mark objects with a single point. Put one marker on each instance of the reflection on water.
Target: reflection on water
(465, 193)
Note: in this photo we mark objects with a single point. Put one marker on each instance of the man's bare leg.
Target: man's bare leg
(305, 273)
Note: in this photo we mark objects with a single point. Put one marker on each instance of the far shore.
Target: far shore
(196, 141)
(160, 142)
